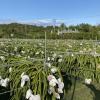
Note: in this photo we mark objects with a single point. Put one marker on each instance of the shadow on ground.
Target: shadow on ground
(95, 91)
(4, 96)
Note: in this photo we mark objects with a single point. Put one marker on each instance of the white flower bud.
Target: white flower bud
(48, 59)
(28, 93)
(2, 58)
(52, 83)
(48, 65)
(23, 52)
(57, 95)
(4, 82)
(60, 90)
(60, 84)
(51, 90)
(10, 69)
(35, 97)
(53, 70)
(54, 55)
(60, 60)
(37, 53)
(88, 81)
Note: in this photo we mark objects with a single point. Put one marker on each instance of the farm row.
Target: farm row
(41, 66)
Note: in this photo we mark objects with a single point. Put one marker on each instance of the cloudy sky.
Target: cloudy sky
(68, 11)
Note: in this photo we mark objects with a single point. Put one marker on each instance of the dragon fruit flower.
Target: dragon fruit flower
(24, 78)
(60, 84)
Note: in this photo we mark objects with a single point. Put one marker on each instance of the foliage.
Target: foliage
(28, 56)
(15, 30)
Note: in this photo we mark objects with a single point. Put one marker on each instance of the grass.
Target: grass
(84, 92)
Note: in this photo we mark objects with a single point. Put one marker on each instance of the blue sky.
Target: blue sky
(70, 11)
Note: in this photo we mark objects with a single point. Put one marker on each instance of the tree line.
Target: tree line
(24, 31)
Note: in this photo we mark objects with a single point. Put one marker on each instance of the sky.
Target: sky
(68, 11)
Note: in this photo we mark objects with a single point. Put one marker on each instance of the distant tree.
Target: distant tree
(85, 27)
(63, 26)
